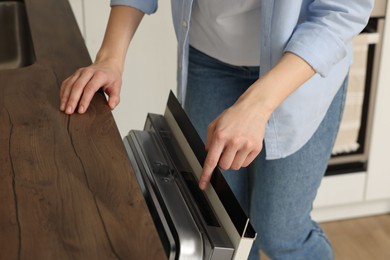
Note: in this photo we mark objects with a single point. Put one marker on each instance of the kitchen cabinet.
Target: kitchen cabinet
(151, 68)
(378, 185)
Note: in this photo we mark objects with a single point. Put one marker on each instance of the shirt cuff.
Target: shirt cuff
(146, 6)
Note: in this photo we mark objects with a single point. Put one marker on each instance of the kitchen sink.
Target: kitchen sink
(16, 48)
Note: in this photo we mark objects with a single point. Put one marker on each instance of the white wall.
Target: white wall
(150, 70)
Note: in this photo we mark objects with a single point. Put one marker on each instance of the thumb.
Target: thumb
(113, 96)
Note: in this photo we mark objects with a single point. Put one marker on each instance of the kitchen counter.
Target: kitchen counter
(67, 190)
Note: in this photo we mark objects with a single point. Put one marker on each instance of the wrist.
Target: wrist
(104, 57)
(256, 100)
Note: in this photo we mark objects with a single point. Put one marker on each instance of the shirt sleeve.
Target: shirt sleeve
(146, 6)
(323, 37)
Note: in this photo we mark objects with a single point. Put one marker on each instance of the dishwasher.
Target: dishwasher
(167, 158)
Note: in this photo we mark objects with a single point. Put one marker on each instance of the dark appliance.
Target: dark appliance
(192, 224)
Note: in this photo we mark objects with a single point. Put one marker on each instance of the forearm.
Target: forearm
(122, 25)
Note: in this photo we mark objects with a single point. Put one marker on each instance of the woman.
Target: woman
(264, 83)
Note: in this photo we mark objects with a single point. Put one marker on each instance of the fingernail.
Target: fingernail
(69, 110)
(81, 109)
(62, 107)
(202, 185)
(112, 105)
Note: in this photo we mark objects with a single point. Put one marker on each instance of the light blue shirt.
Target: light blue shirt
(319, 31)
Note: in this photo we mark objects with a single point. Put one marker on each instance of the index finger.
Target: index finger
(210, 163)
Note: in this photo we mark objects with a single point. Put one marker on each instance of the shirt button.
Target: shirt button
(184, 24)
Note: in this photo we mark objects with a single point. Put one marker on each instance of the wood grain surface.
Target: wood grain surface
(360, 238)
(67, 190)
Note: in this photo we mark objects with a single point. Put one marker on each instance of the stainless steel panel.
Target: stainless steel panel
(187, 224)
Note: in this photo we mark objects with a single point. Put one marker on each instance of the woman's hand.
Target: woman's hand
(234, 139)
(80, 87)
(106, 72)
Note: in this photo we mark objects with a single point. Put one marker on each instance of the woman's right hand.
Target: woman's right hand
(78, 89)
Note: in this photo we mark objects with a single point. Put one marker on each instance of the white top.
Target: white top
(228, 30)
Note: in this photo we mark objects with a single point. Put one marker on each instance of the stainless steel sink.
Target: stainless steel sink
(16, 49)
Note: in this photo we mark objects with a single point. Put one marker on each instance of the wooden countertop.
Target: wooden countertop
(67, 190)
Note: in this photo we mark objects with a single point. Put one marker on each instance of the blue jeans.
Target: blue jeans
(277, 194)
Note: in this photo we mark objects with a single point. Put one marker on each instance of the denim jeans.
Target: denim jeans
(276, 194)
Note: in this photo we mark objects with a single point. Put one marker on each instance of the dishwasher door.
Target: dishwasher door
(192, 224)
